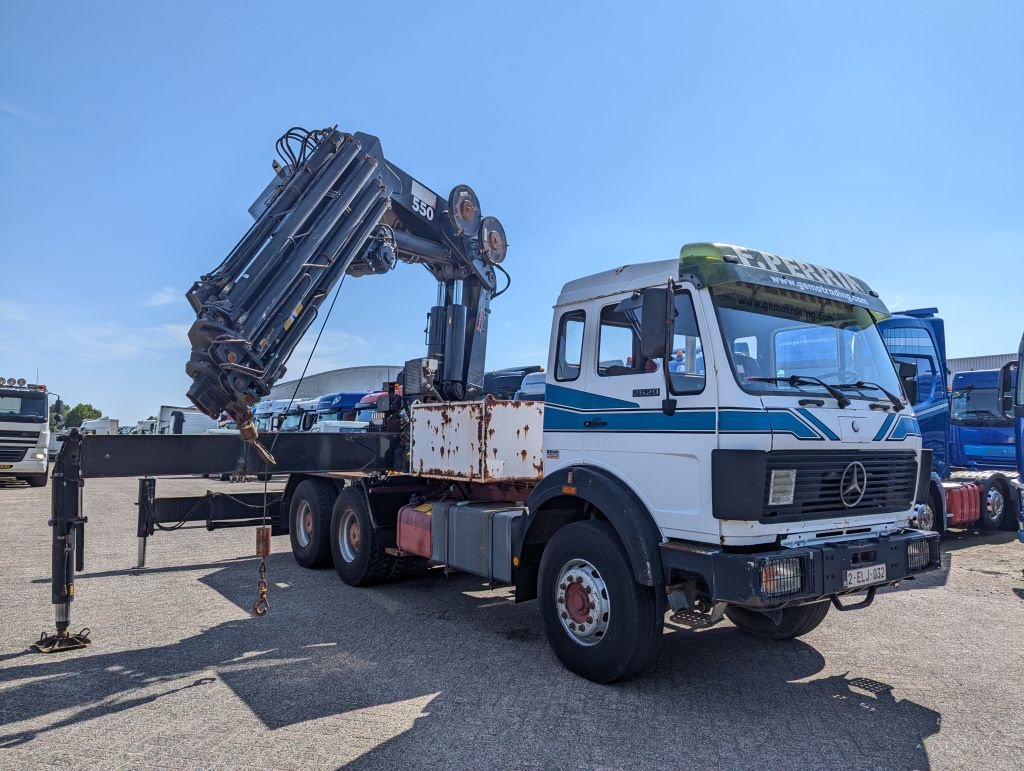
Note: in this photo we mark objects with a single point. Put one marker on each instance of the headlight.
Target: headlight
(782, 487)
(919, 554)
(37, 454)
(783, 576)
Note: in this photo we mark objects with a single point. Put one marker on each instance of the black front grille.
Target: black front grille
(12, 454)
(891, 482)
(33, 435)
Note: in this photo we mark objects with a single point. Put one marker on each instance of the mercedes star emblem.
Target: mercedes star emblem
(853, 484)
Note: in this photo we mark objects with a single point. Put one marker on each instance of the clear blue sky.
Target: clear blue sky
(880, 138)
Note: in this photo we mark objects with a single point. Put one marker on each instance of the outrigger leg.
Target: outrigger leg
(67, 547)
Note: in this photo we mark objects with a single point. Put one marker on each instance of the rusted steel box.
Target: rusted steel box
(484, 441)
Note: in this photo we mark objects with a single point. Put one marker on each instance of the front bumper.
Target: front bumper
(739, 579)
(24, 468)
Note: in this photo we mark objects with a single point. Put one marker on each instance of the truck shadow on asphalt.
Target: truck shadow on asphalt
(486, 682)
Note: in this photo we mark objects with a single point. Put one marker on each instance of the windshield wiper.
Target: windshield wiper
(896, 401)
(794, 380)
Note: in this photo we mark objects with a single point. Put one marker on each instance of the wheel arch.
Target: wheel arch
(577, 493)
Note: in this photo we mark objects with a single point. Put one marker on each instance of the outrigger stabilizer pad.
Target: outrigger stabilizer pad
(62, 641)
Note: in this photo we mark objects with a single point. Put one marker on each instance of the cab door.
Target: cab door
(664, 458)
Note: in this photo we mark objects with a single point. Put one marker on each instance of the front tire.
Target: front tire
(932, 516)
(309, 522)
(601, 623)
(795, 622)
(39, 480)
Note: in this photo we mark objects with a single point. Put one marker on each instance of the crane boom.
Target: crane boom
(337, 206)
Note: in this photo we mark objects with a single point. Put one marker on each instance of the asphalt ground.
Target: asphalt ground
(441, 671)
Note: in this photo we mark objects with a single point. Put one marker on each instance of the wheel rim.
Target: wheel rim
(996, 504)
(926, 517)
(582, 601)
(304, 524)
(349, 536)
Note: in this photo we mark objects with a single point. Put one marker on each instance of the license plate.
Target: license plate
(869, 574)
(6, 466)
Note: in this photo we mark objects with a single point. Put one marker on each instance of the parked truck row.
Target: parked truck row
(969, 427)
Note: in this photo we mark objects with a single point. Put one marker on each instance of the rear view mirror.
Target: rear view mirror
(654, 322)
(908, 376)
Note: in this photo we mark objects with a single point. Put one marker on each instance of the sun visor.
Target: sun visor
(711, 264)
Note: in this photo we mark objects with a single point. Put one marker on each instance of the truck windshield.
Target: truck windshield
(23, 407)
(973, 406)
(772, 334)
(292, 422)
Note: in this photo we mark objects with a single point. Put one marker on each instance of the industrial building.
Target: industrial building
(369, 378)
(977, 363)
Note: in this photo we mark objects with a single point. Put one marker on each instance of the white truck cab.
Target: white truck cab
(722, 434)
(24, 431)
(777, 378)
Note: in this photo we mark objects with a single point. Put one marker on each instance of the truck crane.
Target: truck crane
(337, 206)
(723, 435)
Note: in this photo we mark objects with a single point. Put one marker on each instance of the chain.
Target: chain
(262, 604)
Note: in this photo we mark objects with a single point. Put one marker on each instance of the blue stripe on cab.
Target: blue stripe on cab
(561, 396)
(557, 419)
(809, 417)
(905, 426)
(885, 427)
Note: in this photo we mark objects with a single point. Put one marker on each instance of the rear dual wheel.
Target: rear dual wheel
(997, 509)
(309, 522)
(359, 556)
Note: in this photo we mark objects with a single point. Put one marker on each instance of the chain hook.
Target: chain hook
(262, 605)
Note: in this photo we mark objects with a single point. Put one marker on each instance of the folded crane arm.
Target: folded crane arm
(337, 206)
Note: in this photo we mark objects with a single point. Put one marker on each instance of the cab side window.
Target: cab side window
(913, 346)
(570, 345)
(686, 365)
(619, 346)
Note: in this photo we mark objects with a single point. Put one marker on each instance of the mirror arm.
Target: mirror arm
(668, 404)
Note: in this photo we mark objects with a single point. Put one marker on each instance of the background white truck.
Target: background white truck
(24, 431)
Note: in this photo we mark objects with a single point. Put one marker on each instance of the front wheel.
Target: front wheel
(793, 622)
(37, 481)
(599, 621)
(931, 516)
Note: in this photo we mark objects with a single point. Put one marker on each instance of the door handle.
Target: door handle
(594, 423)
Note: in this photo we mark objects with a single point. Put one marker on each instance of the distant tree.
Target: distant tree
(151, 417)
(80, 412)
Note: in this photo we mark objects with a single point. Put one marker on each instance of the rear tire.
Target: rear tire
(996, 505)
(795, 622)
(585, 578)
(309, 523)
(39, 480)
(359, 558)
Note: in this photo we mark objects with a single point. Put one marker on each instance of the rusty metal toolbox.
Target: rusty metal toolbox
(483, 441)
(477, 537)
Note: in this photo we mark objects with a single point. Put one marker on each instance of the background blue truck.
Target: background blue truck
(981, 431)
(966, 489)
